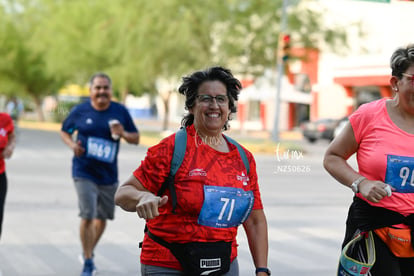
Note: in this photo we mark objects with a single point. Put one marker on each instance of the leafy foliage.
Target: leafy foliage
(48, 43)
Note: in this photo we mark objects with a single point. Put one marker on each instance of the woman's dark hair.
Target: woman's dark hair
(401, 59)
(191, 83)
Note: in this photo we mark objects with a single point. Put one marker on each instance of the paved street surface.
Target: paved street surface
(305, 207)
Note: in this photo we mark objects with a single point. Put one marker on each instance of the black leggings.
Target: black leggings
(387, 264)
(3, 192)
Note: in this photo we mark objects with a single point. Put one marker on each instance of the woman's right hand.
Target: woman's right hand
(373, 190)
(147, 207)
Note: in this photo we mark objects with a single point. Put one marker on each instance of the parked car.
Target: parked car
(319, 129)
(340, 126)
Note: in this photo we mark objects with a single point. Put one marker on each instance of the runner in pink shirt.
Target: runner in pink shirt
(381, 133)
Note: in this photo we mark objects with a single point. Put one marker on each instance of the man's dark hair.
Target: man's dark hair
(99, 75)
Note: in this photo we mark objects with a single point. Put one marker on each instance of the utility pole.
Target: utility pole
(280, 68)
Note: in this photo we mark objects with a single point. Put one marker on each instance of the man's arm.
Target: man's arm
(131, 137)
(77, 148)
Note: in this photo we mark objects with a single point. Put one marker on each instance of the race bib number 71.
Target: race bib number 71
(399, 173)
(225, 207)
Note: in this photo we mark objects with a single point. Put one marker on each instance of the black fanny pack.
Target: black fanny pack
(199, 258)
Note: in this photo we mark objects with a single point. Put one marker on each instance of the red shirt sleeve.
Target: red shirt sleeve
(155, 167)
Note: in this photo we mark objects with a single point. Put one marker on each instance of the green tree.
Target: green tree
(91, 36)
(145, 43)
(179, 41)
(22, 67)
(248, 39)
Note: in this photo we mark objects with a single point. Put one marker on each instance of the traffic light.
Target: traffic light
(284, 47)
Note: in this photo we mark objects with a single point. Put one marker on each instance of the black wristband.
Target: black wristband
(263, 269)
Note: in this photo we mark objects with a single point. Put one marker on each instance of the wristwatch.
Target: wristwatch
(263, 269)
(354, 185)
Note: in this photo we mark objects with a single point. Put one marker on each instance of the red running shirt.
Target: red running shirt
(6, 127)
(202, 165)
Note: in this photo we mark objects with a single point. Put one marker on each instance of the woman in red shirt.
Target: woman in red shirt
(215, 193)
(7, 144)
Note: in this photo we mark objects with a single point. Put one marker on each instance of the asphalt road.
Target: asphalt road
(305, 208)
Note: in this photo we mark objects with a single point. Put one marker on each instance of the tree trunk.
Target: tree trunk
(124, 94)
(39, 110)
(166, 101)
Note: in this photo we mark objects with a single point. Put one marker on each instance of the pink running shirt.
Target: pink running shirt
(385, 152)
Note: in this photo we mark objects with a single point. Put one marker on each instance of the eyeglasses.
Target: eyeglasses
(411, 77)
(207, 99)
(105, 87)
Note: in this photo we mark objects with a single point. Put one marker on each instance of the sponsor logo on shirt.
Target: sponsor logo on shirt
(243, 178)
(197, 172)
(89, 121)
(3, 132)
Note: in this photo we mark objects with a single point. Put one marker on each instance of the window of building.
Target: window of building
(302, 83)
(253, 112)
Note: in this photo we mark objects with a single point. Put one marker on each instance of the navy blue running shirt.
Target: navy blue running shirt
(99, 162)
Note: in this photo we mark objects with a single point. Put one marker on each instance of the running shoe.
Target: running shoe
(88, 268)
(81, 259)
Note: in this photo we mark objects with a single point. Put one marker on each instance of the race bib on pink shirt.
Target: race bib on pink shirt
(399, 173)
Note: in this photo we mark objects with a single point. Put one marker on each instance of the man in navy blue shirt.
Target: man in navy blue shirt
(99, 124)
